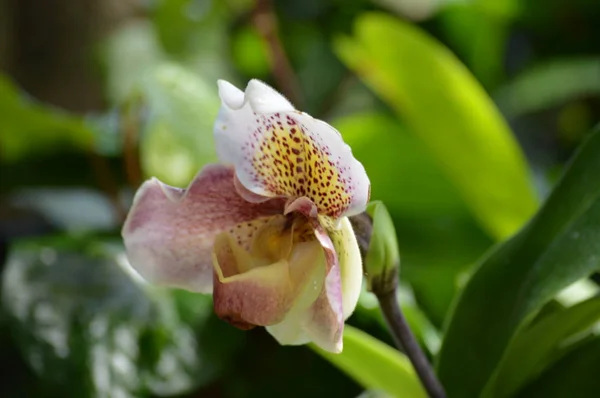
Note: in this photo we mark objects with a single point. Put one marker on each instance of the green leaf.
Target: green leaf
(375, 365)
(479, 36)
(84, 325)
(389, 146)
(437, 235)
(128, 54)
(533, 348)
(449, 111)
(179, 137)
(576, 375)
(30, 128)
(550, 84)
(558, 247)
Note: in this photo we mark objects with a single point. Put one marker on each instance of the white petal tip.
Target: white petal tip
(231, 96)
(265, 99)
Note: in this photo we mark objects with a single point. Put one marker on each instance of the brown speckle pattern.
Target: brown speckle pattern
(289, 159)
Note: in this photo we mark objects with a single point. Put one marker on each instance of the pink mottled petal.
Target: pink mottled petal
(337, 301)
(260, 294)
(350, 260)
(280, 152)
(169, 231)
(318, 316)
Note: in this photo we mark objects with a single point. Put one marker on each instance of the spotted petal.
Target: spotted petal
(169, 232)
(280, 152)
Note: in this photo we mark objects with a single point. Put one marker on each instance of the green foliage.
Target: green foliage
(415, 95)
(551, 84)
(375, 365)
(576, 375)
(558, 247)
(82, 323)
(28, 128)
(535, 347)
(178, 138)
(447, 109)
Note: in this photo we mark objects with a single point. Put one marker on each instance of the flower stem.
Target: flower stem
(405, 339)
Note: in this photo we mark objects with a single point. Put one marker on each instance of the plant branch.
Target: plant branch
(130, 127)
(405, 339)
(265, 21)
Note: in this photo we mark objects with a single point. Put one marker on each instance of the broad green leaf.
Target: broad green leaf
(398, 162)
(449, 111)
(558, 247)
(533, 348)
(83, 324)
(576, 375)
(375, 365)
(178, 140)
(30, 128)
(550, 84)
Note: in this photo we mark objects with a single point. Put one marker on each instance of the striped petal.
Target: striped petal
(169, 232)
(280, 152)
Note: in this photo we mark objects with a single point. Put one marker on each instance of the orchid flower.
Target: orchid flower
(267, 230)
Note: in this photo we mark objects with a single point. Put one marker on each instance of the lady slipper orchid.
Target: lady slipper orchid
(267, 230)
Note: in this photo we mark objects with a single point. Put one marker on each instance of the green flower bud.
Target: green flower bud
(382, 259)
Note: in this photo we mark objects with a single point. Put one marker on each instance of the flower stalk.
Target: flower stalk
(382, 264)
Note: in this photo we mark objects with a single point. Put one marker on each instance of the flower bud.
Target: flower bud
(382, 259)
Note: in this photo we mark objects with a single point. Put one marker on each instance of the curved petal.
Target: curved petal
(169, 231)
(248, 293)
(351, 268)
(322, 321)
(280, 152)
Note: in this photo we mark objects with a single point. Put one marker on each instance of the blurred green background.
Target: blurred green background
(464, 113)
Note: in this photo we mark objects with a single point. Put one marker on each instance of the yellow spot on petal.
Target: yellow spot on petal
(291, 162)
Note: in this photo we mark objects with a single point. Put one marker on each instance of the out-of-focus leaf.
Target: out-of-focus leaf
(181, 112)
(250, 53)
(196, 33)
(374, 394)
(437, 236)
(558, 247)
(576, 375)
(532, 348)
(550, 84)
(74, 210)
(397, 162)
(375, 365)
(84, 325)
(412, 9)
(320, 79)
(129, 53)
(30, 128)
(448, 110)
(479, 37)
